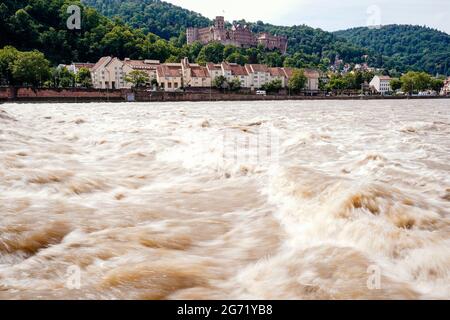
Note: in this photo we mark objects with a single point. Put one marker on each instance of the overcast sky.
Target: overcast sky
(329, 15)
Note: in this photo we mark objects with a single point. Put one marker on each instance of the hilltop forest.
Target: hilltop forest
(151, 29)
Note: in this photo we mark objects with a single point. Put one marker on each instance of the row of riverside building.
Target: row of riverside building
(111, 72)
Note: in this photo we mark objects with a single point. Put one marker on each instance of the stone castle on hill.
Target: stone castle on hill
(238, 35)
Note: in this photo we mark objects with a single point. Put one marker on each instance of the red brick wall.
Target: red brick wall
(4, 93)
(24, 93)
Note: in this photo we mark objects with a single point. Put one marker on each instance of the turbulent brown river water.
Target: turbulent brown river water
(265, 200)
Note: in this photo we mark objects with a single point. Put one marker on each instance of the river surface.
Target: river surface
(226, 200)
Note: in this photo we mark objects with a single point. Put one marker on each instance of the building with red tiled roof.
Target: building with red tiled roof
(194, 75)
(108, 73)
(233, 71)
(148, 66)
(259, 74)
(215, 70)
(169, 76)
(278, 74)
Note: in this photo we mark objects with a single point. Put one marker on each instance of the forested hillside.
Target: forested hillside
(159, 17)
(41, 25)
(394, 47)
(406, 47)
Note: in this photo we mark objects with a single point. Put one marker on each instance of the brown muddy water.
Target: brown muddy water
(264, 200)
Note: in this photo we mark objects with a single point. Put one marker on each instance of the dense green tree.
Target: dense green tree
(396, 84)
(405, 47)
(83, 78)
(159, 17)
(234, 85)
(297, 82)
(137, 78)
(7, 57)
(220, 82)
(408, 83)
(66, 79)
(237, 57)
(212, 52)
(273, 86)
(436, 84)
(31, 68)
(416, 81)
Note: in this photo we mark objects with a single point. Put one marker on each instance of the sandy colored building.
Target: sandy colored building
(278, 74)
(148, 66)
(233, 71)
(259, 73)
(109, 73)
(215, 70)
(446, 88)
(312, 77)
(169, 76)
(194, 75)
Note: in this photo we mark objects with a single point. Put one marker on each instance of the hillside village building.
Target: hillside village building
(446, 88)
(194, 75)
(148, 66)
(170, 76)
(381, 84)
(76, 66)
(110, 73)
(233, 71)
(238, 35)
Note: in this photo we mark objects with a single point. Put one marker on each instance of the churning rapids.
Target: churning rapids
(164, 201)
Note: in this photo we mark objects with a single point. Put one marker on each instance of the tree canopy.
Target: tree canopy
(405, 47)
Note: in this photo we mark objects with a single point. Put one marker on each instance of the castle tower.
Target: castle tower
(219, 23)
(191, 35)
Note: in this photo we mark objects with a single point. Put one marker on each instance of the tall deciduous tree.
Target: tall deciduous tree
(137, 78)
(396, 84)
(31, 68)
(83, 78)
(7, 57)
(298, 81)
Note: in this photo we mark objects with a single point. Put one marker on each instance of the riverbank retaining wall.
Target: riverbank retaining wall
(94, 95)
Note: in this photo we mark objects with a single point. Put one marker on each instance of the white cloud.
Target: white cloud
(326, 14)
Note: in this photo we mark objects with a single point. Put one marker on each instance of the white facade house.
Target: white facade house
(381, 84)
(109, 73)
(259, 73)
(232, 71)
